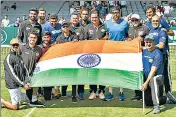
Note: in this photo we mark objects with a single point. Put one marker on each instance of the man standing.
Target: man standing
(79, 31)
(153, 76)
(16, 76)
(53, 27)
(66, 36)
(150, 12)
(161, 42)
(41, 18)
(95, 31)
(137, 30)
(28, 25)
(31, 54)
(46, 38)
(84, 21)
(117, 30)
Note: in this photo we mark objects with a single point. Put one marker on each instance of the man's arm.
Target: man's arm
(9, 67)
(162, 40)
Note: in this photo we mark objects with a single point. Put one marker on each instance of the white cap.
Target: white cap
(135, 16)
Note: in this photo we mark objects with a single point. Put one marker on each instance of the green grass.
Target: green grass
(89, 108)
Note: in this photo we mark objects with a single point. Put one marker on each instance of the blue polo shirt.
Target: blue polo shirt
(160, 36)
(149, 59)
(55, 31)
(163, 24)
(117, 30)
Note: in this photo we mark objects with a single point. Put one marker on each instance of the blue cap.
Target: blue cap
(149, 37)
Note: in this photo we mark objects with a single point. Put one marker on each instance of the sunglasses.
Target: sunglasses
(135, 20)
(115, 12)
(155, 20)
(65, 26)
(15, 45)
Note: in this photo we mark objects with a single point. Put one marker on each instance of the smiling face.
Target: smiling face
(32, 39)
(115, 14)
(33, 15)
(149, 44)
(94, 18)
(149, 13)
(155, 21)
(42, 15)
(135, 22)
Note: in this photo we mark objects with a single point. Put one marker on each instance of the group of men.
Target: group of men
(35, 36)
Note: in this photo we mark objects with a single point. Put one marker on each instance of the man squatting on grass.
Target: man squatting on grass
(16, 76)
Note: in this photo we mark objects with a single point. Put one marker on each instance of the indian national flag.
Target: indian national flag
(100, 62)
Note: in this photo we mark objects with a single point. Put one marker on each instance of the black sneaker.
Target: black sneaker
(81, 96)
(36, 104)
(136, 98)
(74, 100)
(171, 98)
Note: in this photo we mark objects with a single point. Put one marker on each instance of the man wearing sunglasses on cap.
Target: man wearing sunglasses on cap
(16, 76)
(117, 30)
(137, 30)
(67, 36)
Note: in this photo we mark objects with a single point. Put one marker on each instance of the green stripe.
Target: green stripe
(69, 76)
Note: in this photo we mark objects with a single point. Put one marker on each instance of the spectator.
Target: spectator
(167, 10)
(5, 21)
(14, 6)
(31, 54)
(17, 22)
(117, 30)
(16, 76)
(27, 26)
(62, 19)
(24, 18)
(158, 11)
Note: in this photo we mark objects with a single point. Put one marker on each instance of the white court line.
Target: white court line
(30, 112)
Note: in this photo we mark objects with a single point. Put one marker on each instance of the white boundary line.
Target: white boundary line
(30, 112)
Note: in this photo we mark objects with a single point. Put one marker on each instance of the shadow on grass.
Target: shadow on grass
(67, 102)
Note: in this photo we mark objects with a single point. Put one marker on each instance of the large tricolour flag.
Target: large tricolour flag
(101, 62)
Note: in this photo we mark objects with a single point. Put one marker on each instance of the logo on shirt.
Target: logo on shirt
(37, 54)
(103, 30)
(27, 28)
(151, 60)
(91, 32)
(89, 60)
(155, 33)
(3, 36)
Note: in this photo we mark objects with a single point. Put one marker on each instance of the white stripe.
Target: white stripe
(156, 90)
(30, 112)
(120, 61)
(11, 70)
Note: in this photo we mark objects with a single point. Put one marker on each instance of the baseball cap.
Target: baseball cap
(53, 16)
(115, 8)
(149, 37)
(136, 16)
(65, 22)
(14, 41)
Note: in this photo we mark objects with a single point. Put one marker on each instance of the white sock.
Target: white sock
(34, 98)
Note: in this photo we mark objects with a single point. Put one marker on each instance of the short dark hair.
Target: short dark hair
(75, 13)
(94, 12)
(83, 9)
(115, 8)
(33, 9)
(46, 33)
(42, 9)
(34, 31)
(150, 7)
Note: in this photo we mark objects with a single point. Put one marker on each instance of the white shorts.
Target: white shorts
(16, 96)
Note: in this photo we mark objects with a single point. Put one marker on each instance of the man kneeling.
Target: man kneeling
(153, 76)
